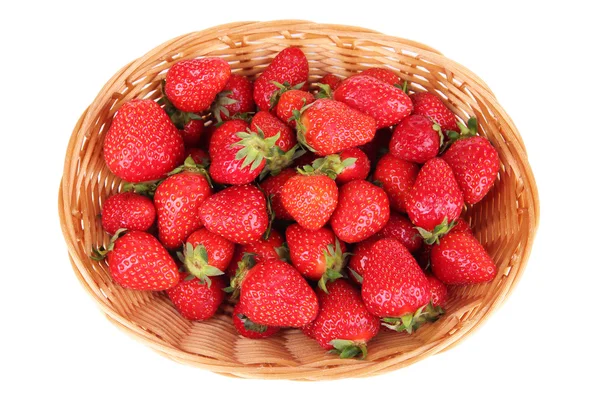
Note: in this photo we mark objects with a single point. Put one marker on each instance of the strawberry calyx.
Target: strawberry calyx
(348, 348)
(270, 212)
(142, 188)
(244, 265)
(100, 253)
(356, 275)
(220, 105)
(280, 160)
(470, 130)
(255, 147)
(403, 86)
(195, 261)
(335, 260)
(412, 321)
(251, 326)
(190, 165)
(179, 118)
(283, 252)
(431, 237)
(330, 165)
(283, 87)
(324, 91)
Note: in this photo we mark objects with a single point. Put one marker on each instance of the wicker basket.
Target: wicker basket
(505, 221)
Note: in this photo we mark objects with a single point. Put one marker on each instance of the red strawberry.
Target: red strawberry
(435, 200)
(192, 132)
(142, 143)
(475, 164)
(431, 106)
(238, 213)
(387, 104)
(459, 259)
(395, 288)
(236, 97)
(195, 300)
(127, 210)
(273, 186)
(138, 261)
(262, 250)
(400, 228)
(199, 156)
(318, 255)
(461, 226)
(271, 126)
(289, 66)
(358, 260)
(359, 170)
(343, 323)
(274, 293)
(249, 329)
(439, 291)
(397, 178)
(310, 199)
(416, 139)
(192, 84)
(332, 81)
(206, 254)
(329, 126)
(362, 210)
(382, 74)
(290, 101)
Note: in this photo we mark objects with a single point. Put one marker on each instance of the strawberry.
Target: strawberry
(291, 101)
(142, 144)
(435, 200)
(289, 66)
(329, 126)
(195, 300)
(192, 84)
(416, 139)
(192, 132)
(138, 261)
(358, 260)
(272, 126)
(236, 97)
(461, 226)
(362, 210)
(331, 80)
(249, 329)
(177, 200)
(387, 104)
(359, 170)
(395, 288)
(382, 74)
(238, 213)
(459, 259)
(206, 254)
(344, 324)
(400, 228)
(199, 156)
(431, 106)
(397, 178)
(439, 291)
(273, 186)
(127, 210)
(318, 255)
(262, 250)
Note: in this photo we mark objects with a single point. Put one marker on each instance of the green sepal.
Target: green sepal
(283, 252)
(403, 86)
(330, 165)
(431, 237)
(436, 127)
(348, 349)
(100, 253)
(279, 160)
(143, 188)
(283, 87)
(335, 260)
(219, 106)
(195, 261)
(245, 116)
(251, 326)
(244, 265)
(255, 147)
(411, 322)
(190, 165)
(470, 130)
(179, 118)
(324, 91)
(356, 275)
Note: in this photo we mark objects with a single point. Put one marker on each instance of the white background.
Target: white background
(541, 61)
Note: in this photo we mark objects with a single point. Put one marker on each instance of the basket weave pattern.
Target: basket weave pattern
(505, 221)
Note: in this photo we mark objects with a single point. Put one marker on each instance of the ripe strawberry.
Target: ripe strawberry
(127, 210)
(238, 213)
(358, 260)
(192, 84)
(138, 261)
(416, 139)
(273, 186)
(177, 200)
(206, 254)
(262, 250)
(199, 156)
(195, 300)
(435, 200)
(290, 101)
(431, 106)
(249, 329)
(397, 178)
(236, 97)
(387, 104)
(344, 324)
(461, 226)
(318, 255)
(382, 74)
(289, 66)
(400, 228)
(475, 164)
(192, 133)
(142, 143)
(460, 259)
(272, 126)
(329, 126)
(362, 210)
(359, 170)
(439, 291)
(332, 81)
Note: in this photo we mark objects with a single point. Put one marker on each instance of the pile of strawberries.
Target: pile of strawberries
(335, 211)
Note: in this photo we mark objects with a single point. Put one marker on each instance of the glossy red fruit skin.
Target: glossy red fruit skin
(358, 171)
(461, 226)
(475, 164)
(332, 126)
(272, 186)
(358, 260)
(197, 301)
(241, 329)
(310, 200)
(138, 261)
(431, 106)
(387, 104)
(271, 126)
(393, 284)
(142, 143)
(415, 140)
(460, 259)
(192, 84)
(307, 249)
(362, 211)
(400, 228)
(397, 177)
(331, 80)
(342, 315)
(238, 213)
(290, 66)
(242, 91)
(439, 291)
(275, 294)
(263, 250)
(192, 133)
(127, 210)
(289, 102)
(382, 74)
(177, 200)
(219, 249)
(224, 167)
(198, 155)
(435, 196)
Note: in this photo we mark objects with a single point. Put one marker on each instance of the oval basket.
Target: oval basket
(505, 221)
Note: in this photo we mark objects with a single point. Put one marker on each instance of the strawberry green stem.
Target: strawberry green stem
(335, 260)
(179, 118)
(283, 87)
(251, 326)
(431, 237)
(330, 165)
(348, 348)
(244, 265)
(100, 253)
(195, 261)
(412, 321)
